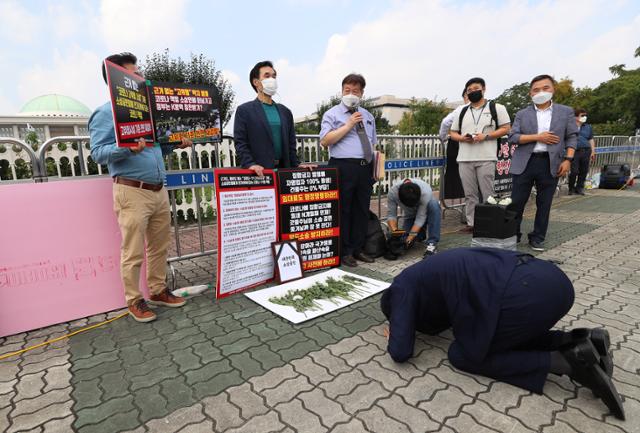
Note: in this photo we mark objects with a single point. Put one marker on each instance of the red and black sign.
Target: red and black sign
(130, 106)
(189, 111)
(310, 212)
(503, 183)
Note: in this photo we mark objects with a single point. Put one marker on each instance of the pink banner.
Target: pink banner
(59, 253)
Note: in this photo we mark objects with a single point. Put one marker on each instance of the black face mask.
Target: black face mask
(475, 96)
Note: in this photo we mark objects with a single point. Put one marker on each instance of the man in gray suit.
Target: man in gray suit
(545, 134)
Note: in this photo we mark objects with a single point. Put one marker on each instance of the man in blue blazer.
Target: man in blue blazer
(501, 306)
(546, 135)
(263, 130)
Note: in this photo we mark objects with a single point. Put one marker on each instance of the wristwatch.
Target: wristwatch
(568, 158)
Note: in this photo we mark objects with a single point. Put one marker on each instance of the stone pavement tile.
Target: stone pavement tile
(176, 420)
(314, 372)
(559, 427)
(300, 419)
(468, 384)
(30, 385)
(287, 390)
(250, 403)
(4, 419)
(150, 402)
(582, 423)
(362, 397)
(353, 426)
(535, 411)
(267, 423)
(344, 384)
(62, 425)
(388, 378)
(377, 421)
(485, 415)
(445, 403)
(346, 345)
(115, 423)
(328, 410)
(224, 414)
(32, 405)
(362, 354)
(104, 411)
(374, 335)
(42, 415)
(417, 420)
(332, 363)
(57, 378)
(465, 423)
(246, 365)
(273, 378)
(204, 426)
(177, 393)
(421, 389)
(217, 384)
(44, 364)
(586, 402)
(405, 370)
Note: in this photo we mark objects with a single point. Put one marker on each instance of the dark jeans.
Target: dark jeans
(579, 168)
(537, 296)
(355, 185)
(537, 173)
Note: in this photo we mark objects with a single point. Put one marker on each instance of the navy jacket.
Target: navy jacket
(460, 288)
(252, 136)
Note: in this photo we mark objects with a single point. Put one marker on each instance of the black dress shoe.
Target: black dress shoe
(585, 369)
(348, 261)
(580, 191)
(601, 341)
(536, 246)
(571, 191)
(364, 258)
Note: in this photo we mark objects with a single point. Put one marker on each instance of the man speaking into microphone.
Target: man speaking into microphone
(349, 132)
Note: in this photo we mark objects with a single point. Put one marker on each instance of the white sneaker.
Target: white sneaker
(431, 249)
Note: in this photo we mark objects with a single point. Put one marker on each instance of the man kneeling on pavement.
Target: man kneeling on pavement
(501, 306)
(421, 213)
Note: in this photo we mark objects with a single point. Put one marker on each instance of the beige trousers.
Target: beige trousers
(477, 181)
(142, 214)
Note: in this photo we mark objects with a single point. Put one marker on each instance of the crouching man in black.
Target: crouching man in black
(501, 306)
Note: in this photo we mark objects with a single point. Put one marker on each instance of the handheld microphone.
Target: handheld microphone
(352, 110)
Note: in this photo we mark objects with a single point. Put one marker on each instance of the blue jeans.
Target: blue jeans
(434, 217)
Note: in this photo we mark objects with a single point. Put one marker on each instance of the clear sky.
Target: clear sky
(421, 48)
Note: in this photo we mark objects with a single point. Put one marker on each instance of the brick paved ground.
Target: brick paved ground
(232, 366)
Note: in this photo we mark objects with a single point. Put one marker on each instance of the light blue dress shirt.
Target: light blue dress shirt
(349, 146)
(146, 166)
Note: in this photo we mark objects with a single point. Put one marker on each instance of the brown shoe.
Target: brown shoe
(140, 312)
(167, 299)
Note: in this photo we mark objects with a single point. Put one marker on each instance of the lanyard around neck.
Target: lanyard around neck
(475, 122)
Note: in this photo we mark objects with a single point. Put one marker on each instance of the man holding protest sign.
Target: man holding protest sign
(140, 201)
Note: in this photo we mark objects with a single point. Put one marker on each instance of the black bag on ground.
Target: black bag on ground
(614, 176)
(376, 243)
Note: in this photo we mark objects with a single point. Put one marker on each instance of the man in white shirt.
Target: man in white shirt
(477, 129)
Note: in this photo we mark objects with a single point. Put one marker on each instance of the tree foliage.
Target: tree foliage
(423, 117)
(613, 106)
(197, 70)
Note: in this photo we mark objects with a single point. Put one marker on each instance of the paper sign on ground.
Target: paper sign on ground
(247, 225)
(262, 296)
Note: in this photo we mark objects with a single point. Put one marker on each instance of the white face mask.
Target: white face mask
(542, 97)
(269, 86)
(350, 101)
(582, 119)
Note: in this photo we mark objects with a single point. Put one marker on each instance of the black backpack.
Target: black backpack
(492, 110)
(376, 243)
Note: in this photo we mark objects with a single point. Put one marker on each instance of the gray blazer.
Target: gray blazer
(563, 124)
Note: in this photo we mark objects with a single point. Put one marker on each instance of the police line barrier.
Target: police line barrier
(419, 155)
